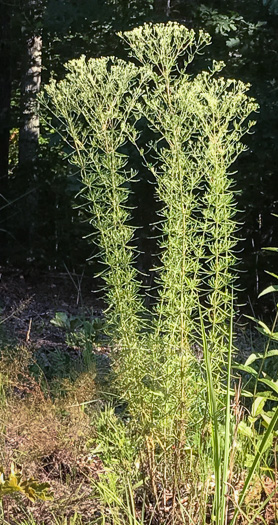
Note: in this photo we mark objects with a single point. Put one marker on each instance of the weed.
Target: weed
(178, 404)
(30, 488)
(81, 333)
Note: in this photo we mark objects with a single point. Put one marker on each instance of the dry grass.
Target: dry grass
(46, 437)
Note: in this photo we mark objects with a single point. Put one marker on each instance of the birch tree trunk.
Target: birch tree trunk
(30, 86)
(29, 131)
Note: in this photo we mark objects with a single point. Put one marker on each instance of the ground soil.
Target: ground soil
(28, 302)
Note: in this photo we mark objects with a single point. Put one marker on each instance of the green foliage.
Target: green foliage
(81, 333)
(121, 507)
(261, 440)
(261, 369)
(261, 448)
(203, 128)
(198, 122)
(81, 330)
(260, 383)
(102, 169)
(221, 450)
(29, 488)
(62, 320)
(254, 428)
(117, 446)
(222, 24)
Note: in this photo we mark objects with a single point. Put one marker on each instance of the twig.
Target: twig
(29, 330)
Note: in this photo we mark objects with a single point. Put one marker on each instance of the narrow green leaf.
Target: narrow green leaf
(256, 357)
(271, 384)
(254, 464)
(263, 331)
(269, 289)
(252, 358)
(271, 353)
(272, 274)
(213, 413)
(245, 393)
(223, 502)
(264, 327)
(245, 368)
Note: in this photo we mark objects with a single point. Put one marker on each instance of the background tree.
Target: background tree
(244, 36)
(5, 100)
(31, 66)
(29, 124)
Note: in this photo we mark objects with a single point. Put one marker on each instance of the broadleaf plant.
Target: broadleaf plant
(29, 488)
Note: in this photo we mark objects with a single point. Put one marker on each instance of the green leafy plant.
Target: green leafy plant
(254, 428)
(63, 320)
(260, 375)
(121, 506)
(199, 122)
(29, 488)
(91, 328)
(223, 24)
(118, 445)
(82, 333)
(260, 370)
(222, 447)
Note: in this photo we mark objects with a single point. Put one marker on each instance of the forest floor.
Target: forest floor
(44, 428)
(28, 301)
(50, 396)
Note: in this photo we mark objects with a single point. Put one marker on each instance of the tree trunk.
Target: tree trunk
(31, 81)
(29, 130)
(5, 101)
(162, 7)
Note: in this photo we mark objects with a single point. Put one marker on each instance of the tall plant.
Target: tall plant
(94, 106)
(199, 121)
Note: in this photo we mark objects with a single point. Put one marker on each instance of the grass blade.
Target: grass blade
(227, 421)
(254, 465)
(214, 421)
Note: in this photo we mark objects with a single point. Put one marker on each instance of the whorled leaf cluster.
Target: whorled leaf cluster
(199, 121)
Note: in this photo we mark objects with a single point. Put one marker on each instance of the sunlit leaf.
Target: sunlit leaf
(257, 406)
(271, 384)
(245, 368)
(269, 289)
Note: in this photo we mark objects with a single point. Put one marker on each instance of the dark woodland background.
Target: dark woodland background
(41, 226)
